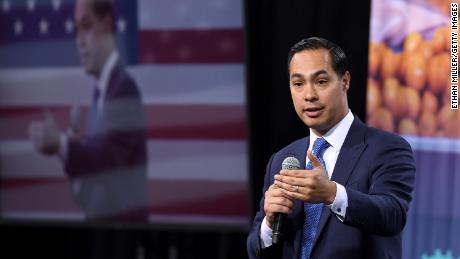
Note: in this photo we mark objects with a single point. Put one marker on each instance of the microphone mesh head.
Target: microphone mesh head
(290, 163)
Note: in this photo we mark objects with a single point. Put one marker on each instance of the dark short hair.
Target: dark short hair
(338, 57)
(103, 8)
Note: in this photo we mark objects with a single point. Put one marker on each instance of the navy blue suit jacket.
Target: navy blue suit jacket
(377, 169)
(107, 168)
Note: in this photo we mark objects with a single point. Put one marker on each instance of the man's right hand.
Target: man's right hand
(275, 202)
(45, 134)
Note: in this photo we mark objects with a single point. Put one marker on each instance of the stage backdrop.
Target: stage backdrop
(187, 58)
(409, 93)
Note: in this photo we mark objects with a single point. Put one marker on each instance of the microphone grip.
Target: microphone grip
(278, 228)
(289, 163)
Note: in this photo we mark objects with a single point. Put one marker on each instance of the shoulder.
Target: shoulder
(383, 138)
(296, 149)
(121, 83)
(373, 137)
(295, 145)
(384, 147)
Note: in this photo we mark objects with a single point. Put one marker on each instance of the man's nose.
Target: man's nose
(309, 93)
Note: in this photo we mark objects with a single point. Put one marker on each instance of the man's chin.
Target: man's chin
(90, 71)
(316, 124)
(312, 123)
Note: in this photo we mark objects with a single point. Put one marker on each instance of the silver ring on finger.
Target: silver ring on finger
(297, 188)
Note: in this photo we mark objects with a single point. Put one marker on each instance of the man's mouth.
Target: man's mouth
(83, 57)
(313, 112)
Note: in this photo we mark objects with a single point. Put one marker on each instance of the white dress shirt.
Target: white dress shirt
(103, 81)
(335, 137)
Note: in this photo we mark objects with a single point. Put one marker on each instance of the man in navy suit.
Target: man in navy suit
(352, 198)
(107, 165)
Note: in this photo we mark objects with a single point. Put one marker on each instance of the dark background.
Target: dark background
(272, 27)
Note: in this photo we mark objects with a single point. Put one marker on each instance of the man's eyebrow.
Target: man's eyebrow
(319, 72)
(297, 75)
(83, 19)
(313, 75)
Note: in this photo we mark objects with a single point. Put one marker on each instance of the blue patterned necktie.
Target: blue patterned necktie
(312, 211)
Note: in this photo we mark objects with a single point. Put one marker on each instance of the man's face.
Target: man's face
(92, 33)
(318, 94)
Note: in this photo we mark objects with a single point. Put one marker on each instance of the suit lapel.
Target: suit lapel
(350, 152)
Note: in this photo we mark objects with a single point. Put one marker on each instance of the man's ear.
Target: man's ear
(346, 81)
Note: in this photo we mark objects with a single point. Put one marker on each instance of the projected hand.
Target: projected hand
(311, 186)
(275, 202)
(45, 135)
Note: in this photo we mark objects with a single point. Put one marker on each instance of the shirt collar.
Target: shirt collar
(337, 134)
(109, 64)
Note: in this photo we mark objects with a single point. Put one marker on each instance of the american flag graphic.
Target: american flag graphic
(187, 58)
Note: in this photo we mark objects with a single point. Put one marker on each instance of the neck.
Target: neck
(323, 131)
(105, 54)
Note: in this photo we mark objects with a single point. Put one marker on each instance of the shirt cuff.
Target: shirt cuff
(266, 234)
(340, 204)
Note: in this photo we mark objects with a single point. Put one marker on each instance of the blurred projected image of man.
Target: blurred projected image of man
(106, 165)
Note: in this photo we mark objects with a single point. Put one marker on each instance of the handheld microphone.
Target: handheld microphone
(289, 163)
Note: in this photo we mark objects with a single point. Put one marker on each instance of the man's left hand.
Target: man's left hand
(311, 186)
